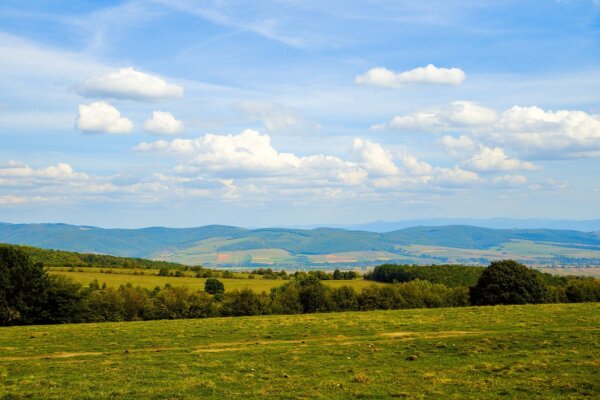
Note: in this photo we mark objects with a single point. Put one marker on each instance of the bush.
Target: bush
(508, 282)
(244, 302)
(583, 290)
(214, 286)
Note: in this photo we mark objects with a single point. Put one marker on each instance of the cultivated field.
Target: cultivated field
(534, 351)
(122, 277)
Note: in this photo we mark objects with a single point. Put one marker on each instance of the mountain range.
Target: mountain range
(226, 246)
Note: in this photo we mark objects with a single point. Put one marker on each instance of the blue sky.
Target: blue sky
(185, 113)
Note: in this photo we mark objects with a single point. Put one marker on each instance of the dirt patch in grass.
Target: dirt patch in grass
(429, 335)
(50, 356)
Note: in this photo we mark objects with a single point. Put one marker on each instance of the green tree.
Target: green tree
(63, 301)
(508, 282)
(313, 296)
(285, 299)
(23, 287)
(244, 302)
(214, 286)
(344, 298)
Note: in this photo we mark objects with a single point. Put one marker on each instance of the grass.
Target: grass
(152, 281)
(536, 351)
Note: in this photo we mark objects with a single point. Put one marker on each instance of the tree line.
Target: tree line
(29, 296)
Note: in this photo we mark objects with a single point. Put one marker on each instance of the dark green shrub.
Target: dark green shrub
(508, 282)
(214, 286)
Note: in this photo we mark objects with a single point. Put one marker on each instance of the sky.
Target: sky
(184, 113)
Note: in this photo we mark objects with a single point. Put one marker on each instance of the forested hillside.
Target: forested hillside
(232, 246)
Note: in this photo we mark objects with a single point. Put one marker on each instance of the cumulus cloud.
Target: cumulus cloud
(457, 114)
(163, 123)
(375, 158)
(128, 83)
(384, 77)
(531, 132)
(102, 117)
(250, 155)
(534, 130)
(494, 159)
(248, 150)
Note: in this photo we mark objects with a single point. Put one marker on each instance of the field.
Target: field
(535, 351)
(151, 281)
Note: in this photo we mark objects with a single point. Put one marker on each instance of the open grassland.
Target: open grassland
(535, 351)
(151, 281)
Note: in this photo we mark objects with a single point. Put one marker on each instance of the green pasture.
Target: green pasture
(505, 352)
(151, 281)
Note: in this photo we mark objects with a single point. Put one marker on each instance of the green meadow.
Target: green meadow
(532, 351)
(150, 281)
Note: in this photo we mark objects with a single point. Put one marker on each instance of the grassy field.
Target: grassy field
(536, 351)
(152, 281)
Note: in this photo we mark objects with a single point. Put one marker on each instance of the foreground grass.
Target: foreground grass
(152, 281)
(541, 351)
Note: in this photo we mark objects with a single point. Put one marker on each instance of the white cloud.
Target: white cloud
(248, 150)
(384, 77)
(494, 159)
(163, 123)
(533, 130)
(416, 167)
(128, 83)
(250, 158)
(60, 171)
(455, 176)
(530, 132)
(457, 114)
(459, 144)
(102, 117)
(375, 158)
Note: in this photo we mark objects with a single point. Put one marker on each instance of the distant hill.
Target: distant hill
(493, 223)
(232, 246)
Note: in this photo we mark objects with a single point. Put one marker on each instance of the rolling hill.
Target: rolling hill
(217, 245)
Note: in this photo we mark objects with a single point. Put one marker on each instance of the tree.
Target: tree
(344, 298)
(64, 301)
(244, 302)
(214, 286)
(508, 282)
(313, 295)
(23, 287)
(285, 299)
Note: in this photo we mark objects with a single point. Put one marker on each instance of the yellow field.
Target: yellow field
(152, 281)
